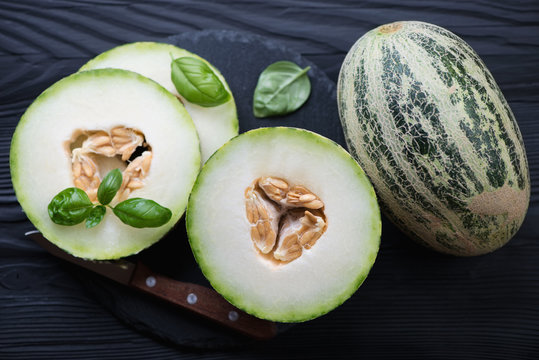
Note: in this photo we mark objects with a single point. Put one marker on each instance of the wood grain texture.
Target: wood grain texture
(415, 304)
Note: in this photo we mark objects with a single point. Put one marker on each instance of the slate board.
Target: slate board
(240, 57)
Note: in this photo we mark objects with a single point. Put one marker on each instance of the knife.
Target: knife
(193, 297)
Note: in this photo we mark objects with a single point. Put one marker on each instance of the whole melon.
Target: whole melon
(427, 122)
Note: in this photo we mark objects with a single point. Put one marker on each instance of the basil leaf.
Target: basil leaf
(70, 207)
(109, 186)
(95, 217)
(197, 83)
(283, 87)
(141, 213)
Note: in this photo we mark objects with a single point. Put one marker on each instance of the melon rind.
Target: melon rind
(41, 167)
(215, 125)
(324, 276)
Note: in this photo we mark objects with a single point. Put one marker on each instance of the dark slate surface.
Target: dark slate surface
(247, 55)
(415, 304)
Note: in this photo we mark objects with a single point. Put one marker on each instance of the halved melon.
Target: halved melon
(215, 125)
(283, 223)
(89, 123)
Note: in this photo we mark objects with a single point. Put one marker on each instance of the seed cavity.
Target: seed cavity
(94, 152)
(284, 219)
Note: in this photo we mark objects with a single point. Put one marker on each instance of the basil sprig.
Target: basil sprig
(140, 213)
(197, 83)
(72, 206)
(95, 217)
(109, 186)
(282, 88)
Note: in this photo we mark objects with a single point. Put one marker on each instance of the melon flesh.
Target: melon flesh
(215, 125)
(100, 100)
(325, 275)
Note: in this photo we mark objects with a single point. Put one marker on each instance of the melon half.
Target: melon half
(92, 122)
(283, 223)
(215, 125)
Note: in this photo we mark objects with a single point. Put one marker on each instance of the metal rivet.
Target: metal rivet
(233, 316)
(150, 281)
(192, 299)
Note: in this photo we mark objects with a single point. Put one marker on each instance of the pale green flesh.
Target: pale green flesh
(425, 119)
(324, 276)
(215, 125)
(102, 99)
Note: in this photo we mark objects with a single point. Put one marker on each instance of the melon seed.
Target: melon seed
(119, 142)
(284, 220)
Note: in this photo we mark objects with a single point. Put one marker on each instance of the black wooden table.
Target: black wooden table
(415, 304)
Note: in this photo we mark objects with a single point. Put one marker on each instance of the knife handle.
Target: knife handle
(201, 300)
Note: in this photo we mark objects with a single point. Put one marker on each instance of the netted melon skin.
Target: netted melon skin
(429, 125)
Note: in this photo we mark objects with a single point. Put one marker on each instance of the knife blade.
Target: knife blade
(193, 297)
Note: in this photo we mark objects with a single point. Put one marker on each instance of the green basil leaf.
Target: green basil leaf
(141, 213)
(95, 217)
(70, 207)
(282, 88)
(109, 186)
(197, 83)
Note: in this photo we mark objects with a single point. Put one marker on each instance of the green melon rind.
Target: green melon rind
(177, 52)
(177, 211)
(377, 78)
(295, 315)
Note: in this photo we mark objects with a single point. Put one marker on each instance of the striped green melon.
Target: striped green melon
(427, 122)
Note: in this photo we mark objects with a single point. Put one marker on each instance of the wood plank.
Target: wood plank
(414, 305)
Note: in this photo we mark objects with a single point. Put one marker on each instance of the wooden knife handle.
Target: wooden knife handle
(201, 300)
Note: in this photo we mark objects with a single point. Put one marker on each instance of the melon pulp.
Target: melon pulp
(283, 223)
(215, 125)
(64, 128)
